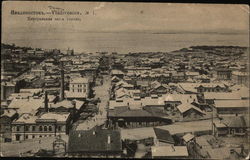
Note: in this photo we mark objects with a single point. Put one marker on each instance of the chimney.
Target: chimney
(109, 141)
(62, 83)
(46, 101)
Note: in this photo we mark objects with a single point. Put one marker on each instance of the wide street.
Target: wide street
(101, 92)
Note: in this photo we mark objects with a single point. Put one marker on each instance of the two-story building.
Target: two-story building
(28, 126)
(78, 88)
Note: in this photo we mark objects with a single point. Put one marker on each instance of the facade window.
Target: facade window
(17, 128)
(26, 137)
(232, 131)
(33, 136)
(59, 128)
(45, 128)
(241, 130)
(26, 128)
(40, 128)
(40, 136)
(50, 128)
(33, 128)
(73, 90)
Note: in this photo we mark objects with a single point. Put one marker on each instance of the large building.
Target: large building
(241, 78)
(78, 88)
(50, 124)
(96, 142)
(231, 106)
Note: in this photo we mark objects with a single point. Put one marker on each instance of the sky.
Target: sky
(124, 17)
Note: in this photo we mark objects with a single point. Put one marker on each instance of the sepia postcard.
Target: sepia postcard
(124, 80)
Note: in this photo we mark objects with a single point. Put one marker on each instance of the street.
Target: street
(100, 118)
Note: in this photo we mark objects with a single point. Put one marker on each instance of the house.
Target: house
(169, 152)
(65, 106)
(78, 89)
(26, 105)
(241, 78)
(160, 89)
(6, 118)
(189, 111)
(122, 93)
(162, 137)
(231, 106)
(38, 73)
(188, 138)
(209, 97)
(231, 125)
(125, 117)
(212, 87)
(178, 77)
(40, 53)
(203, 87)
(31, 52)
(117, 73)
(224, 74)
(49, 62)
(33, 91)
(190, 74)
(173, 100)
(115, 79)
(28, 126)
(96, 142)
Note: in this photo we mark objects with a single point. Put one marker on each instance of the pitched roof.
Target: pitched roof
(94, 140)
(78, 103)
(64, 103)
(113, 104)
(184, 98)
(127, 112)
(187, 106)
(29, 105)
(59, 117)
(231, 103)
(163, 135)
(169, 151)
(115, 78)
(221, 96)
(26, 118)
(8, 112)
(114, 71)
(69, 94)
(134, 113)
(187, 137)
(234, 121)
(79, 80)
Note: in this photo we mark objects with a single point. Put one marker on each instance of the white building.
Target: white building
(78, 88)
